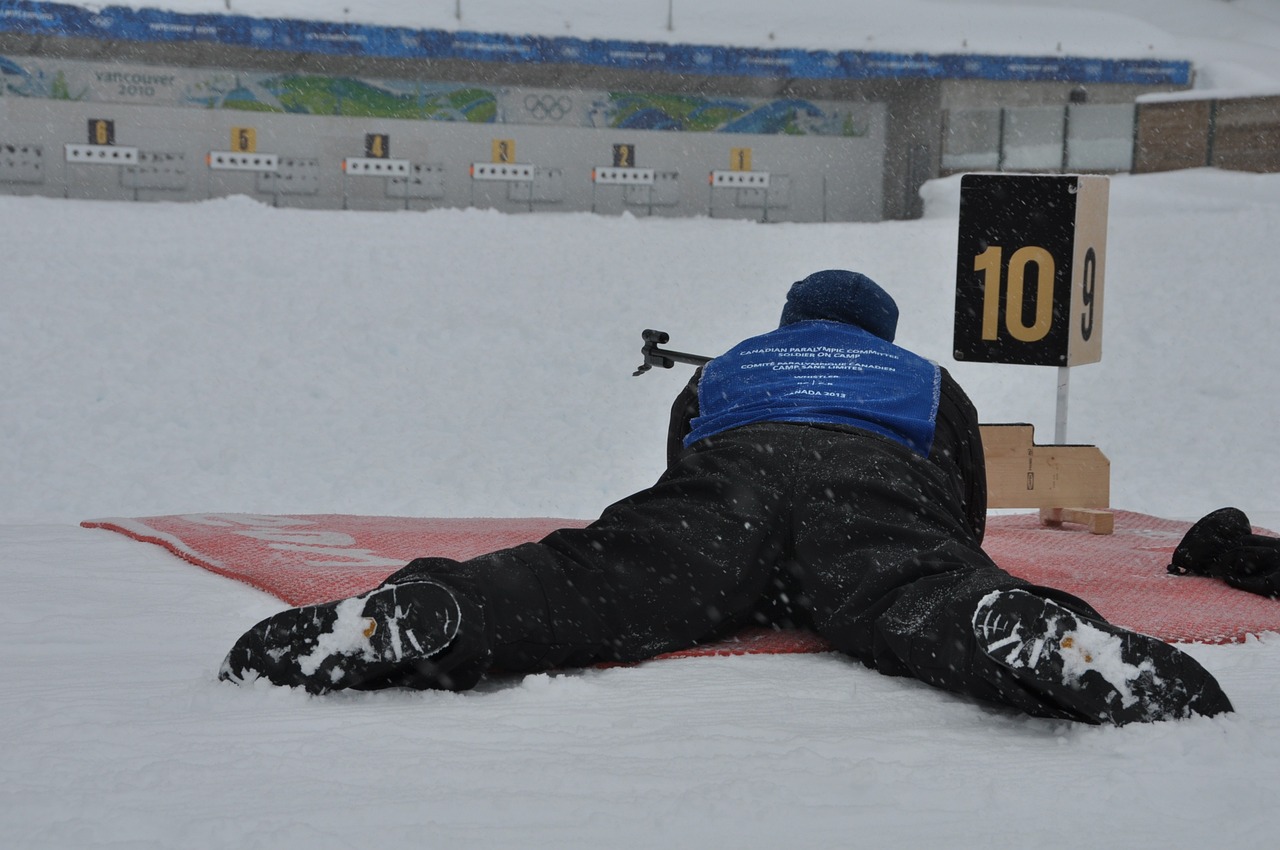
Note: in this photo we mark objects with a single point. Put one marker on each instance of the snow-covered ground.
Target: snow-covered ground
(226, 356)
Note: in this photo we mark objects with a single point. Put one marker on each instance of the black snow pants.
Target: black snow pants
(847, 533)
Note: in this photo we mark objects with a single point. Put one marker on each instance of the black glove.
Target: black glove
(1223, 545)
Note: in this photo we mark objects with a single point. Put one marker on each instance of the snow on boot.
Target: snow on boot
(1097, 671)
(364, 639)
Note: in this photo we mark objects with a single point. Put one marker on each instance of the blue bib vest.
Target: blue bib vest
(821, 372)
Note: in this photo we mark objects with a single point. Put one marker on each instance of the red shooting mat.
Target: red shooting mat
(316, 558)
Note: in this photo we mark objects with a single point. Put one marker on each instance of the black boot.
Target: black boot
(1096, 671)
(378, 639)
(1223, 545)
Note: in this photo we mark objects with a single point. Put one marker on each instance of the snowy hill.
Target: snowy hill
(169, 359)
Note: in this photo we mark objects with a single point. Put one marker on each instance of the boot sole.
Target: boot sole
(1102, 673)
(343, 644)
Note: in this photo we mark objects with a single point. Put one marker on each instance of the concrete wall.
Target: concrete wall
(985, 94)
(811, 178)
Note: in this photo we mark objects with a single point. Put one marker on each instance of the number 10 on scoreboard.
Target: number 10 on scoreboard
(1029, 273)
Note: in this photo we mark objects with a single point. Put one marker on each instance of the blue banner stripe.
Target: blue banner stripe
(154, 25)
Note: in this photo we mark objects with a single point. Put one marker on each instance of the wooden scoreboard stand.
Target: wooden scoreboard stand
(1029, 281)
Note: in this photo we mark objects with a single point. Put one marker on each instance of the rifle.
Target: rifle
(664, 357)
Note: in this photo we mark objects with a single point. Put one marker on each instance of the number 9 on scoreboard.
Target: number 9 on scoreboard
(1029, 271)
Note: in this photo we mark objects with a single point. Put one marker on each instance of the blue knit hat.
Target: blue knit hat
(841, 296)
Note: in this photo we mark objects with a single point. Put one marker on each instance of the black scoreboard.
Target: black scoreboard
(1029, 270)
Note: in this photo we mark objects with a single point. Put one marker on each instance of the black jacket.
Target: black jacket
(957, 443)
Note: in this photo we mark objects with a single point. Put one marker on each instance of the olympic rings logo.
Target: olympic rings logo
(548, 107)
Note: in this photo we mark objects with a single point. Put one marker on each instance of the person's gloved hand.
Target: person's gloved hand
(1222, 545)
